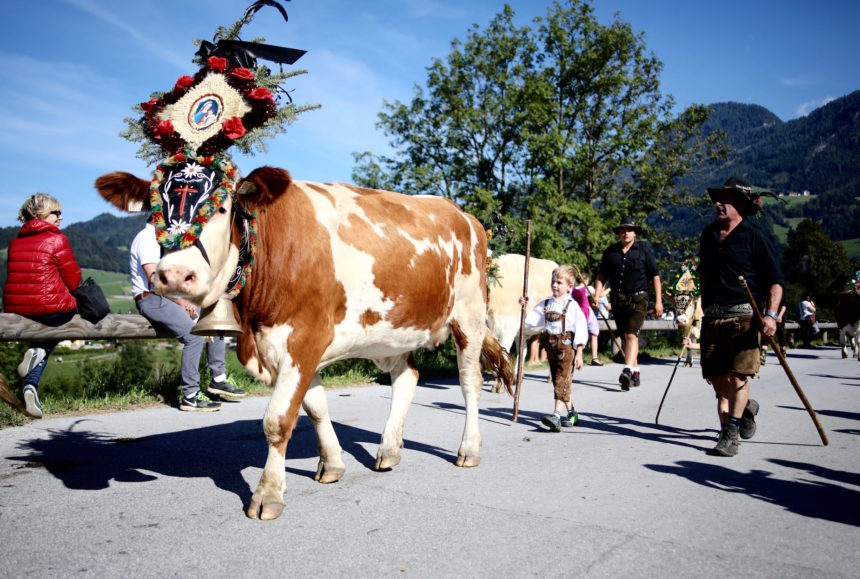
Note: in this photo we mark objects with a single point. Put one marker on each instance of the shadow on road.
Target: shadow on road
(834, 413)
(820, 500)
(86, 460)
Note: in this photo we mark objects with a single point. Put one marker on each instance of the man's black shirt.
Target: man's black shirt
(745, 251)
(628, 272)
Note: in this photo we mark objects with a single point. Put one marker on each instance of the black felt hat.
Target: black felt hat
(750, 196)
(628, 223)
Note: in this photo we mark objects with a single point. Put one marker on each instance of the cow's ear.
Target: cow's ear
(264, 185)
(124, 191)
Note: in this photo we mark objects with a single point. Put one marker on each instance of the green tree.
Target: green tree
(814, 263)
(563, 123)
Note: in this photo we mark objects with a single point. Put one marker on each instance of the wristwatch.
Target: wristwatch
(771, 314)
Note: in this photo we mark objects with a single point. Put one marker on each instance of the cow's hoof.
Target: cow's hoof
(467, 461)
(265, 508)
(844, 355)
(387, 460)
(327, 473)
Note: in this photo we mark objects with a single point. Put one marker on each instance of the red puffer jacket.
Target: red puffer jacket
(42, 272)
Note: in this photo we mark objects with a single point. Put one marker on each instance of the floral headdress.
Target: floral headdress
(188, 131)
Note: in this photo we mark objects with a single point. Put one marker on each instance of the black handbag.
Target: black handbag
(92, 304)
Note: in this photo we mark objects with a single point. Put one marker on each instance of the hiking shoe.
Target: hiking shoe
(625, 378)
(747, 427)
(762, 359)
(728, 443)
(570, 420)
(199, 403)
(32, 358)
(31, 401)
(596, 362)
(226, 389)
(552, 421)
(635, 381)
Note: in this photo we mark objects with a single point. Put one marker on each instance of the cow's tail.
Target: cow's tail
(497, 361)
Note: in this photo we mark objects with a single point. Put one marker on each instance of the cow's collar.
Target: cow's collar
(247, 248)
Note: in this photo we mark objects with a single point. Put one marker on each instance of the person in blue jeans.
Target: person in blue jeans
(42, 274)
(178, 318)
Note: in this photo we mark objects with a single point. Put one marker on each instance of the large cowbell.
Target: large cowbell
(184, 192)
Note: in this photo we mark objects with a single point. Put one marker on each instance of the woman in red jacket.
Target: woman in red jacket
(42, 274)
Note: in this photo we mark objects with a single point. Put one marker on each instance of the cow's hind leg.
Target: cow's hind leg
(469, 339)
(404, 380)
(331, 466)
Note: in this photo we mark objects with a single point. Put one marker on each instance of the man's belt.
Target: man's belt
(737, 310)
(639, 293)
(142, 295)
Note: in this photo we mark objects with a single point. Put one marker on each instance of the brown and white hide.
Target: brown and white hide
(689, 321)
(503, 309)
(343, 272)
(848, 322)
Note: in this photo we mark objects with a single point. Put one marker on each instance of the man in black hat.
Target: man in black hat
(731, 247)
(629, 267)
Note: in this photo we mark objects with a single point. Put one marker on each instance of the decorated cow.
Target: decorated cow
(688, 305)
(317, 272)
(848, 318)
(503, 309)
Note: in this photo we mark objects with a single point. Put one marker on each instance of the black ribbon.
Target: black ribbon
(245, 54)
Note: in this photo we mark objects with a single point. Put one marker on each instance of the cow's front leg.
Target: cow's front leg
(404, 380)
(278, 423)
(331, 466)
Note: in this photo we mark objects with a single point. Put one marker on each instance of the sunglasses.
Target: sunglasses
(57, 212)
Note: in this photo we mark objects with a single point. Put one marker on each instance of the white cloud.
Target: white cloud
(809, 106)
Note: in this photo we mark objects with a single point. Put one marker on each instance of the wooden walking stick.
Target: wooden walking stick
(521, 341)
(595, 301)
(784, 363)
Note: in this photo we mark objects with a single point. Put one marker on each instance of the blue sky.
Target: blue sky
(72, 69)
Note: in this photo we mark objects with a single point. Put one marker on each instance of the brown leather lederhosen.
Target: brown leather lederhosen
(560, 352)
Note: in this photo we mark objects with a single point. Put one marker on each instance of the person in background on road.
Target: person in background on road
(564, 332)
(580, 294)
(809, 327)
(42, 274)
(178, 317)
(730, 347)
(629, 267)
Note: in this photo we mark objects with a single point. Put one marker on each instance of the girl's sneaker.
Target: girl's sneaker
(31, 401)
(32, 358)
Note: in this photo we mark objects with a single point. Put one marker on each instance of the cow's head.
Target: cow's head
(200, 221)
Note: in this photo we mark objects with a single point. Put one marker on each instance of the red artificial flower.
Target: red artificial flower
(149, 105)
(233, 128)
(260, 93)
(164, 129)
(179, 157)
(217, 63)
(184, 82)
(243, 73)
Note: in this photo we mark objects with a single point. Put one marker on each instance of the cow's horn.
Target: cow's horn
(246, 188)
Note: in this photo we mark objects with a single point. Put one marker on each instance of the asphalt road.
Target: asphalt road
(160, 493)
